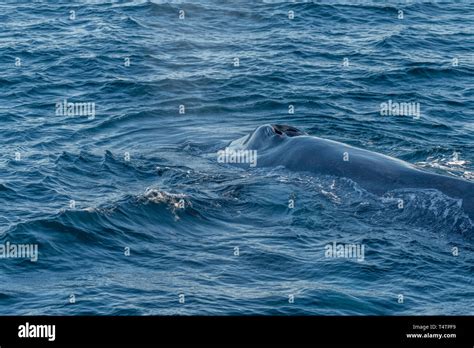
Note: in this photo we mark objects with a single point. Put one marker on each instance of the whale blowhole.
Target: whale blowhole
(290, 131)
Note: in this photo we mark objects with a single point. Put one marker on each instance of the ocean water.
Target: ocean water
(133, 215)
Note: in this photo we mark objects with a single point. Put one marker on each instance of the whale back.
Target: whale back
(282, 145)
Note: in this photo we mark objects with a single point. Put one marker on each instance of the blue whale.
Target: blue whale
(282, 145)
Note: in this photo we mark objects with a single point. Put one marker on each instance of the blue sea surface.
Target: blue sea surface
(132, 213)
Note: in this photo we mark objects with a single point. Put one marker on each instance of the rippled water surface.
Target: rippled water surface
(144, 177)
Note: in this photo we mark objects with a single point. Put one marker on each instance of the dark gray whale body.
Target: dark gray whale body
(289, 147)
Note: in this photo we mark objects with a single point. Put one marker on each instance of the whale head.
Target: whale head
(266, 136)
